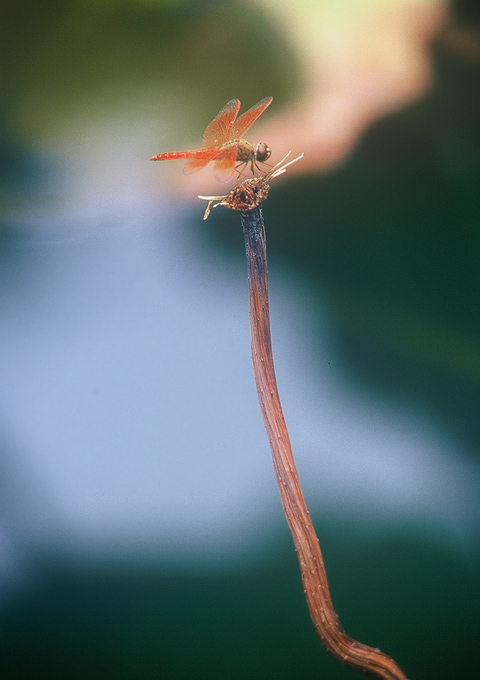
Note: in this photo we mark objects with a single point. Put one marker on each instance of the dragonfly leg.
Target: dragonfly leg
(255, 168)
(260, 170)
(241, 172)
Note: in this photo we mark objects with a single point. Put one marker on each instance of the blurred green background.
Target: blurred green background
(388, 243)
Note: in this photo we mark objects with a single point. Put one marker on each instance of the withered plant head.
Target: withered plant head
(250, 193)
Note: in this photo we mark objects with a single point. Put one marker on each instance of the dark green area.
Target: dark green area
(405, 596)
(57, 51)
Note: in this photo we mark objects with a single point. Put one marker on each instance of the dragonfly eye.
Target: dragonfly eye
(262, 152)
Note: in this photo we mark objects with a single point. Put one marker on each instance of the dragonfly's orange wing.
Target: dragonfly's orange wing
(216, 134)
(200, 160)
(248, 118)
(224, 166)
(219, 130)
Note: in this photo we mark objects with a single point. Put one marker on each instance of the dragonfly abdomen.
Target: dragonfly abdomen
(200, 154)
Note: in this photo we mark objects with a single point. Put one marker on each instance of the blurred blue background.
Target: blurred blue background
(141, 533)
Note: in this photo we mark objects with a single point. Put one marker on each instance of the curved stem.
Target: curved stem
(367, 659)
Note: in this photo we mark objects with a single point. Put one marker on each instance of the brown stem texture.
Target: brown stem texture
(370, 661)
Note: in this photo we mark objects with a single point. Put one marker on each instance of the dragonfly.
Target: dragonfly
(223, 144)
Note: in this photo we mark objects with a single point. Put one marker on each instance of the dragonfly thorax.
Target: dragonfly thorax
(245, 151)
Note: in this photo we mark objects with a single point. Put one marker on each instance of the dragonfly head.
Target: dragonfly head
(262, 152)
